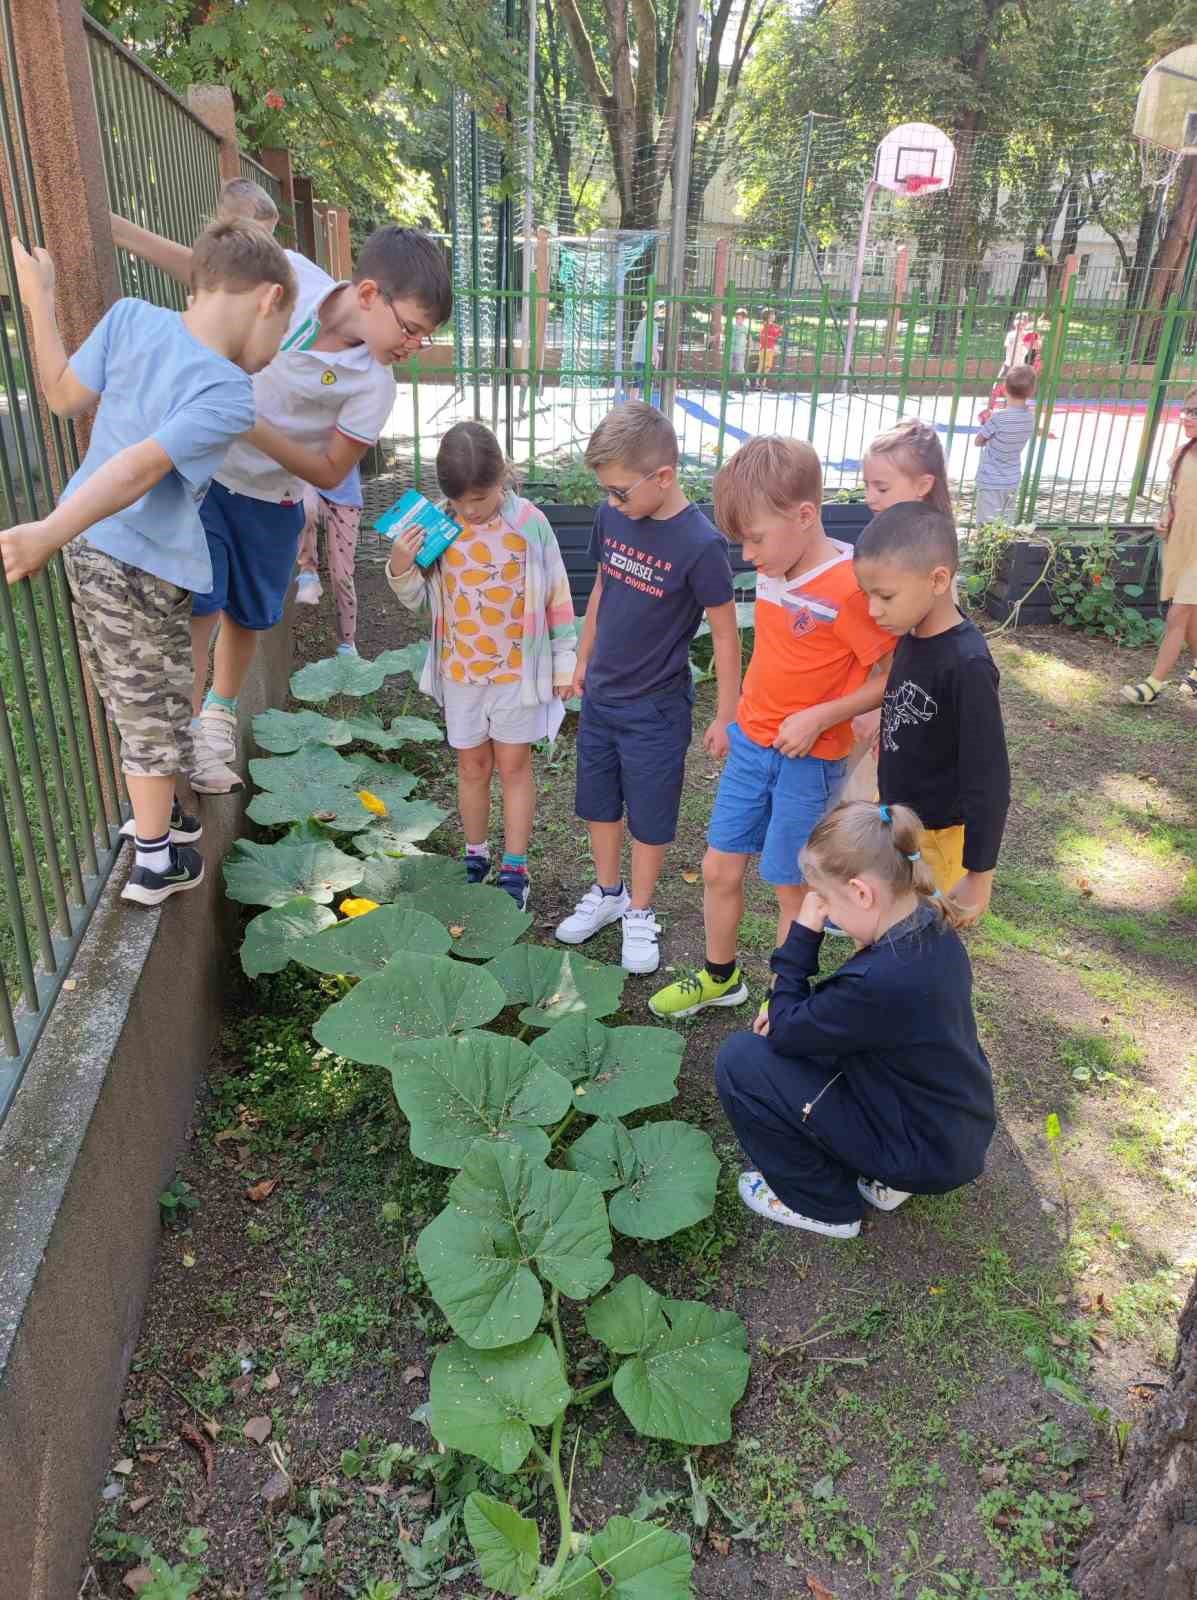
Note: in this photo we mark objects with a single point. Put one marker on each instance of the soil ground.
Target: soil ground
(935, 1409)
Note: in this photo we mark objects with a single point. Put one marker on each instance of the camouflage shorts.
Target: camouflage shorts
(135, 638)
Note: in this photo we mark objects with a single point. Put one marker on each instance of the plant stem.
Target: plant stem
(594, 1390)
(558, 1336)
(563, 1515)
(570, 1116)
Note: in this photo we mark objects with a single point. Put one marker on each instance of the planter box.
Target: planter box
(1016, 587)
(572, 525)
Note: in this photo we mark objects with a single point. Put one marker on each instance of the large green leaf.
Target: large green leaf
(557, 983)
(643, 1562)
(347, 675)
(362, 945)
(664, 1174)
(315, 782)
(271, 938)
(270, 874)
(579, 1581)
(506, 1212)
(405, 824)
(387, 779)
(415, 730)
(615, 1070)
(506, 1544)
(480, 1086)
(369, 730)
(420, 997)
(482, 920)
(280, 732)
(385, 878)
(688, 1362)
(486, 1402)
(410, 658)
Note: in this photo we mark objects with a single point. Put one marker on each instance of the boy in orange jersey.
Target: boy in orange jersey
(811, 672)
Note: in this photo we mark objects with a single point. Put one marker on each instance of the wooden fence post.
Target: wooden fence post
(279, 163)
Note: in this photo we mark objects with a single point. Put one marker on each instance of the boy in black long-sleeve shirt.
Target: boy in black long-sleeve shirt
(942, 744)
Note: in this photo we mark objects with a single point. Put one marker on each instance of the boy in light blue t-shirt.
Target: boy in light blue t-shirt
(173, 391)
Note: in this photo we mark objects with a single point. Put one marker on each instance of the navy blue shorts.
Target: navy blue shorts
(253, 544)
(632, 757)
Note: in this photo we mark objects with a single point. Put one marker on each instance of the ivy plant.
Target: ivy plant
(505, 1072)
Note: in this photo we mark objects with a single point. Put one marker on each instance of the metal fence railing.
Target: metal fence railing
(161, 162)
(1107, 407)
(60, 794)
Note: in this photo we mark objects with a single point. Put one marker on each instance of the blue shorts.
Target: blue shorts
(767, 805)
(253, 544)
(632, 756)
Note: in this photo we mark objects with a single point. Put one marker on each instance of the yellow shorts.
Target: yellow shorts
(943, 851)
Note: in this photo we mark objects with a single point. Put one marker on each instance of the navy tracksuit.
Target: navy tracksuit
(876, 1072)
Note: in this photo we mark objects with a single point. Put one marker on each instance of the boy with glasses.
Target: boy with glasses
(320, 404)
(661, 565)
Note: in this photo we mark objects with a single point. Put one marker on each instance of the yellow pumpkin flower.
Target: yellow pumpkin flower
(357, 908)
(372, 803)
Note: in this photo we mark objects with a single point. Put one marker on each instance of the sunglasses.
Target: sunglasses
(412, 335)
(622, 496)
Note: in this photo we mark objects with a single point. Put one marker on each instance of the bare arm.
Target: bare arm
(324, 468)
(118, 483)
(798, 732)
(64, 393)
(586, 642)
(725, 642)
(172, 258)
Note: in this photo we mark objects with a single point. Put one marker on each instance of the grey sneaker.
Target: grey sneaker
(215, 742)
(880, 1195)
(595, 910)
(186, 871)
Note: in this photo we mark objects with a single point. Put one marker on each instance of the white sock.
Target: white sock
(154, 853)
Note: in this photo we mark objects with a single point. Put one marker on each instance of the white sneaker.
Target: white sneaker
(640, 950)
(215, 744)
(308, 589)
(757, 1196)
(345, 649)
(881, 1195)
(593, 911)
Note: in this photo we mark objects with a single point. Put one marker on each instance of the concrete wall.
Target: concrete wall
(92, 1139)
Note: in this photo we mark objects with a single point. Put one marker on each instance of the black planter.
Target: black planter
(1016, 587)
(572, 525)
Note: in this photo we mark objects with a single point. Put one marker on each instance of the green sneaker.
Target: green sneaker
(695, 992)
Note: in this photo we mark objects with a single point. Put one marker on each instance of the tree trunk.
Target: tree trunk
(1148, 1550)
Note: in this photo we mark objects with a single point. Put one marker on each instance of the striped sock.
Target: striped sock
(514, 863)
(153, 853)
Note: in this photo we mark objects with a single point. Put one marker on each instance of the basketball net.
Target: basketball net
(1158, 166)
(917, 182)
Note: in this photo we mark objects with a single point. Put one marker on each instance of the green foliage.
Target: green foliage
(1087, 595)
(480, 1086)
(615, 1071)
(176, 1200)
(282, 732)
(557, 983)
(421, 997)
(272, 874)
(314, 782)
(664, 1174)
(525, 1220)
(406, 824)
(353, 675)
(507, 1211)
(359, 946)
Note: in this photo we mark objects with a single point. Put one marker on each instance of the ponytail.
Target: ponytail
(916, 448)
(886, 841)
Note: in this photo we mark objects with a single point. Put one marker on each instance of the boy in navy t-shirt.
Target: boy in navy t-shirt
(174, 392)
(661, 565)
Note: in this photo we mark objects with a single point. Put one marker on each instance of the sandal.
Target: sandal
(1189, 682)
(1140, 694)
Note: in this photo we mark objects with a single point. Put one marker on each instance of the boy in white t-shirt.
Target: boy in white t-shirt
(320, 404)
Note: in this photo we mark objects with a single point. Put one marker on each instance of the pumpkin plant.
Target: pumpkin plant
(498, 1056)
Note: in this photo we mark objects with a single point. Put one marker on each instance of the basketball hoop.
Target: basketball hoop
(1166, 118)
(916, 183)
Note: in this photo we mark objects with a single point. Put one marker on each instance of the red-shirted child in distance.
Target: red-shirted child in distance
(811, 672)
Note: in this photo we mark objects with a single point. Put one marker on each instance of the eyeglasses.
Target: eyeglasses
(622, 496)
(412, 335)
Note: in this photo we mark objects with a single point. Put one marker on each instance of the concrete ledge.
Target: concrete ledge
(92, 1139)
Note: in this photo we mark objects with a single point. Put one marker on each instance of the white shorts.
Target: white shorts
(475, 713)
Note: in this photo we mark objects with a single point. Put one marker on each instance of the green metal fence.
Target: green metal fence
(1110, 382)
(161, 162)
(61, 797)
(259, 174)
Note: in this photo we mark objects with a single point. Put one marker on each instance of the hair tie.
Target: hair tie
(915, 855)
(883, 813)
(935, 895)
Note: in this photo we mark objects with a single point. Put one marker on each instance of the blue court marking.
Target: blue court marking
(693, 409)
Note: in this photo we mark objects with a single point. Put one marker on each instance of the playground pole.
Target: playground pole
(683, 138)
(800, 224)
(1165, 360)
(857, 281)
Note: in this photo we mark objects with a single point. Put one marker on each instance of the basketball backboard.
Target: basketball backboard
(915, 158)
(1166, 110)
